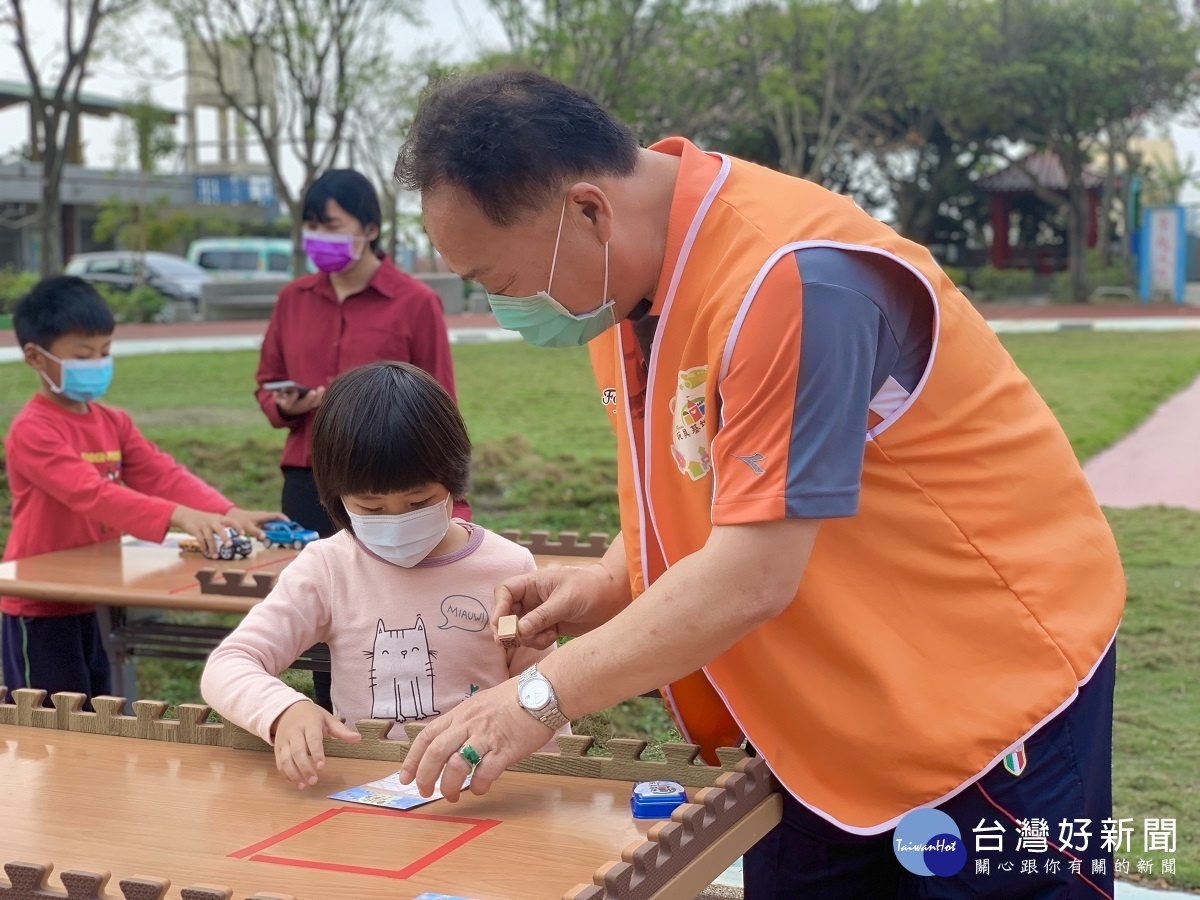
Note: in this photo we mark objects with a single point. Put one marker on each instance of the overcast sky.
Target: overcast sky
(462, 28)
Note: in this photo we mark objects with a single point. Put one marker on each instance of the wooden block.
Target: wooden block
(568, 543)
(506, 631)
(194, 727)
(234, 584)
(142, 888)
(149, 724)
(26, 881)
(205, 892)
(8, 710)
(66, 705)
(84, 885)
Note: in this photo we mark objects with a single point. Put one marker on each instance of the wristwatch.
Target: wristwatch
(536, 696)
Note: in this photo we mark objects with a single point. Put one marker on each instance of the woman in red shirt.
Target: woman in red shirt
(358, 309)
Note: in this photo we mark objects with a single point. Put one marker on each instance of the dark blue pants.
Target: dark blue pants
(1068, 776)
(55, 653)
(301, 503)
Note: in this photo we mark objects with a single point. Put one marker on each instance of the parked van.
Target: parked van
(244, 257)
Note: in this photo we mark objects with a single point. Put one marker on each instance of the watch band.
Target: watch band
(553, 718)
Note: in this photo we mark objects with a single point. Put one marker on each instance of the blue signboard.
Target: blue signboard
(235, 190)
(1163, 260)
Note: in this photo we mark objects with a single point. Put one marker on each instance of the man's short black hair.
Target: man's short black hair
(351, 191)
(387, 427)
(61, 305)
(512, 140)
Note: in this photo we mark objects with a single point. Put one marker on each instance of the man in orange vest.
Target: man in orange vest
(852, 534)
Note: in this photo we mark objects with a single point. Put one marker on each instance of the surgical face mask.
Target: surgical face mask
(331, 252)
(543, 321)
(83, 380)
(405, 539)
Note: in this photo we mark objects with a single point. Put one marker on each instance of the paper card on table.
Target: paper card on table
(388, 792)
(428, 896)
(171, 541)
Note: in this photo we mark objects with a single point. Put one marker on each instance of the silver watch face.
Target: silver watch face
(535, 693)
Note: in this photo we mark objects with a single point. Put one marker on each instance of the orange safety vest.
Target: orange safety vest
(960, 609)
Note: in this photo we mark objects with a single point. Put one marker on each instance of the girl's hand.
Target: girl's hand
(299, 734)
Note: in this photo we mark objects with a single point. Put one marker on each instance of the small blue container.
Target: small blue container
(656, 799)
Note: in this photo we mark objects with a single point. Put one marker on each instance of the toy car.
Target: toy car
(234, 545)
(288, 534)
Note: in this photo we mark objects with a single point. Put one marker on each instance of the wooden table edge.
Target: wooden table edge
(98, 596)
(698, 874)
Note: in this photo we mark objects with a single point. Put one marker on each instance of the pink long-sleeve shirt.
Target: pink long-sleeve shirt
(404, 644)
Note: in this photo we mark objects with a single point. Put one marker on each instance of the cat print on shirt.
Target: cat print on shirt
(402, 674)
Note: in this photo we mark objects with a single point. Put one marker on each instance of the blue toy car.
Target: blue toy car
(288, 534)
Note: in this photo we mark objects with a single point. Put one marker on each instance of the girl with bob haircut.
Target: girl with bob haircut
(401, 594)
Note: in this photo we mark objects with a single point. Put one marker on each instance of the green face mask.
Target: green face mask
(543, 321)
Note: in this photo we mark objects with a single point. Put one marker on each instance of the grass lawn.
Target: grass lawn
(544, 458)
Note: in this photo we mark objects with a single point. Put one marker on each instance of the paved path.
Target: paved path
(1158, 463)
(135, 340)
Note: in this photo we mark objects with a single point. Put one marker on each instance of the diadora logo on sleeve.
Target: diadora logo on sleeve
(754, 461)
(689, 440)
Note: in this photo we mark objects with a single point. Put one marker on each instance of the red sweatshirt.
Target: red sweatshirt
(312, 338)
(83, 478)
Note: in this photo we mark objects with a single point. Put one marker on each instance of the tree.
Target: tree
(150, 137)
(378, 126)
(810, 71)
(56, 106)
(157, 225)
(324, 54)
(939, 115)
(644, 60)
(1080, 68)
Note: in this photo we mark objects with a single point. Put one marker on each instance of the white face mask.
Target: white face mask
(405, 539)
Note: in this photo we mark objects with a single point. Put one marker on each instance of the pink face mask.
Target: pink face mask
(330, 252)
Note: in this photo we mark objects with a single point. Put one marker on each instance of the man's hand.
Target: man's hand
(292, 404)
(562, 601)
(299, 733)
(495, 726)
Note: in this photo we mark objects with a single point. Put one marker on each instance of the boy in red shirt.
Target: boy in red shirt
(81, 473)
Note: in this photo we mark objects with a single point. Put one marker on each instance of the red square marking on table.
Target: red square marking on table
(475, 828)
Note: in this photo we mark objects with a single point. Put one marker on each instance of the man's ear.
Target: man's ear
(34, 357)
(593, 203)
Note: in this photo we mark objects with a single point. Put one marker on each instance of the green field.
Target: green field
(544, 458)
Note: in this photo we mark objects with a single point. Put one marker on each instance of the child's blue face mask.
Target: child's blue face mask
(543, 321)
(83, 380)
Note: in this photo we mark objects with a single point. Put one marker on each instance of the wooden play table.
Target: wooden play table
(151, 799)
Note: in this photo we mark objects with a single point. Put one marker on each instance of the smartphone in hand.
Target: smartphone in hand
(287, 386)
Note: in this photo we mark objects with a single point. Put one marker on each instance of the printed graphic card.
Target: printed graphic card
(390, 793)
